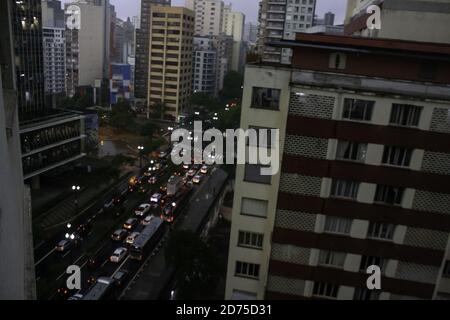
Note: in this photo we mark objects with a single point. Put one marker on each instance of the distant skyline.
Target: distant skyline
(130, 8)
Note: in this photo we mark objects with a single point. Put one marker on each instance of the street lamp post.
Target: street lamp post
(141, 150)
(75, 189)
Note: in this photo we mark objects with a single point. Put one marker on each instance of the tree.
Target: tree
(202, 99)
(122, 116)
(158, 110)
(148, 130)
(196, 264)
(152, 144)
(232, 86)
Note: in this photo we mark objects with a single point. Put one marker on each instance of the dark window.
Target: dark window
(397, 156)
(405, 115)
(355, 109)
(266, 98)
(389, 195)
(250, 239)
(253, 174)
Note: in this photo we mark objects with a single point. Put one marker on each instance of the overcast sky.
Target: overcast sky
(130, 8)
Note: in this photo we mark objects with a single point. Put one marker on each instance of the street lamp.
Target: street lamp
(141, 150)
(76, 189)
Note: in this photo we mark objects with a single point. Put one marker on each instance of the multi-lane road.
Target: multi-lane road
(96, 243)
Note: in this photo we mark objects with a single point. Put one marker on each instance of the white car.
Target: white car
(155, 199)
(153, 180)
(186, 166)
(147, 220)
(191, 173)
(142, 209)
(204, 169)
(118, 255)
(131, 238)
(197, 179)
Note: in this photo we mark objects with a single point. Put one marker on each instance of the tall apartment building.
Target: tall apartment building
(17, 280)
(204, 65)
(429, 18)
(208, 16)
(282, 19)
(142, 49)
(88, 48)
(49, 137)
(251, 32)
(54, 42)
(170, 65)
(328, 19)
(364, 173)
(233, 25)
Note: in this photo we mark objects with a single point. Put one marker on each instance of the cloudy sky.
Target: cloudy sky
(126, 8)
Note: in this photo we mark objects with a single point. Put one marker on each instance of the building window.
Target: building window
(325, 289)
(266, 140)
(254, 207)
(246, 269)
(355, 109)
(397, 156)
(367, 261)
(379, 230)
(337, 225)
(332, 258)
(366, 294)
(405, 115)
(253, 174)
(446, 271)
(344, 189)
(389, 195)
(250, 240)
(347, 150)
(266, 98)
(337, 61)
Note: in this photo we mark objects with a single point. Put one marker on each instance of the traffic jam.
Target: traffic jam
(162, 200)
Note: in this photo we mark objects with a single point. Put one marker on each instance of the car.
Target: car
(64, 292)
(197, 179)
(162, 154)
(155, 199)
(147, 220)
(191, 173)
(186, 166)
(76, 296)
(94, 262)
(64, 245)
(153, 180)
(204, 170)
(119, 235)
(142, 209)
(130, 223)
(130, 239)
(120, 277)
(118, 255)
(196, 166)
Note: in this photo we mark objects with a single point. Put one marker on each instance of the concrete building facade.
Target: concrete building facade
(170, 58)
(204, 65)
(17, 278)
(364, 169)
(429, 18)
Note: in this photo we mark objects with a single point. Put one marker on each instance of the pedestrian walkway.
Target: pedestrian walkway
(155, 276)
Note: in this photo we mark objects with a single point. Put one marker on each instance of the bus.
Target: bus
(103, 289)
(148, 238)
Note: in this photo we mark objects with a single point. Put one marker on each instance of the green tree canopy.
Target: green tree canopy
(148, 130)
(232, 86)
(197, 267)
(122, 117)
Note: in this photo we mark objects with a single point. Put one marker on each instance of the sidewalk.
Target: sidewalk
(155, 274)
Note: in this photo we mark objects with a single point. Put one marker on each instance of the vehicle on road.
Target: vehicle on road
(191, 173)
(186, 166)
(174, 205)
(153, 180)
(147, 220)
(76, 296)
(64, 245)
(118, 255)
(130, 239)
(148, 238)
(173, 185)
(104, 289)
(204, 169)
(155, 199)
(197, 179)
(64, 292)
(142, 209)
(119, 235)
(130, 223)
(120, 277)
